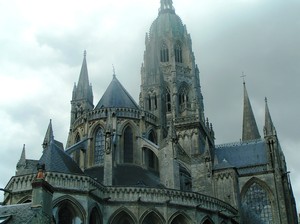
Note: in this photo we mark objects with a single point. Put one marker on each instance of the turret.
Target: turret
(82, 97)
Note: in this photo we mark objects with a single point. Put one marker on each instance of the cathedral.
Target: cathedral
(154, 161)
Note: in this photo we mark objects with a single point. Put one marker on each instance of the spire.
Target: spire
(49, 136)
(250, 130)
(269, 128)
(23, 154)
(166, 5)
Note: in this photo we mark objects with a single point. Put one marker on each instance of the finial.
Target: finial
(166, 5)
(114, 71)
(243, 76)
(84, 53)
(266, 100)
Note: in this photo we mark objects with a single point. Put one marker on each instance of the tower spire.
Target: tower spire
(250, 130)
(269, 128)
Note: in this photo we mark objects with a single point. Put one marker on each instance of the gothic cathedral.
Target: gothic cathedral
(156, 161)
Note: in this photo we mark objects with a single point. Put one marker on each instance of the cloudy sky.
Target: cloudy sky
(42, 44)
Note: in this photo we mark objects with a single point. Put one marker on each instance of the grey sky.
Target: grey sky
(42, 46)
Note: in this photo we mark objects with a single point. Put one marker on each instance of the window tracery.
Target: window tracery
(178, 53)
(164, 53)
(99, 147)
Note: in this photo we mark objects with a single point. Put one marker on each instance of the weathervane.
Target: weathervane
(243, 76)
(114, 71)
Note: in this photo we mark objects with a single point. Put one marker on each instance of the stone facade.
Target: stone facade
(157, 162)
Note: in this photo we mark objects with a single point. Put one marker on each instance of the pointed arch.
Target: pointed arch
(178, 52)
(207, 220)
(128, 144)
(67, 210)
(150, 159)
(168, 100)
(95, 216)
(152, 216)
(99, 146)
(185, 178)
(180, 218)
(152, 136)
(122, 216)
(164, 53)
(258, 197)
(184, 97)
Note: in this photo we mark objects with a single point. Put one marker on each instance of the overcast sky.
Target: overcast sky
(42, 44)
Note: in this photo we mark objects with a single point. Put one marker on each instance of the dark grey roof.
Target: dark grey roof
(243, 154)
(127, 175)
(116, 96)
(22, 213)
(56, 160)
(223, 165)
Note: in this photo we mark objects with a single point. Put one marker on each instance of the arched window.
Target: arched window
(151, 218)
(128, 145)
(99, 147)
(122, 218)
(152, 137)
(185, 179)
(180, 219)
(67, 213)
(164, 53)
(168, 100)
(95, 217)
(183, 98)
(151, 160)
(149, 103)
(178, 53)
(76, 154)
(256, 198)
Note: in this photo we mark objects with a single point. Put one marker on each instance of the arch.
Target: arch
(164, 53)
(207, 220)
(128, 144)
(185, 178)
(178, 52)
(122, 216)
(99, 146)
(152, 136)
(67, 210)
(26, 199)
(168, 100)
(184, 97)
(150, 159)
(152, 216)
(76, 154)
(180, 218)
(258, 197)
(95, 216)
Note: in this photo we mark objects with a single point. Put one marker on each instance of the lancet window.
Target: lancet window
(178, 53)
(168, 100)
(164, 53)
(99, 147)
(128, 145)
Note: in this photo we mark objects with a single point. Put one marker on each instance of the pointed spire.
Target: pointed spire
(166, 6)
(23, 154)
(250, 130)
(83, 82)
(269, 128)
(49, 137)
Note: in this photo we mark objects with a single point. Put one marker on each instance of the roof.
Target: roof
(243, 154)
(21, 213)
(56, 160)
(127, 175)
(116, 96)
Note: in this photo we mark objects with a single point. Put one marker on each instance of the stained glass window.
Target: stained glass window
(99, 147)
(257, 199)
(128, 145)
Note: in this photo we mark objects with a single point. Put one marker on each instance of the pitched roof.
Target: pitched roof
(56, 160)
(116, 96)
(243, 154)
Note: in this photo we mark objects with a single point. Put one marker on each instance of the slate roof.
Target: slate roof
(21, 213)
(243, 154)
(127, 175)
(56, 160)
(116, 96)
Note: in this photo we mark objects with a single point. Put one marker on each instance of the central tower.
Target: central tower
(170, 87)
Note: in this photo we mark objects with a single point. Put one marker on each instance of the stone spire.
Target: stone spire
(269, 128)
(49, 136)
(83, 90)
(250, 130)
